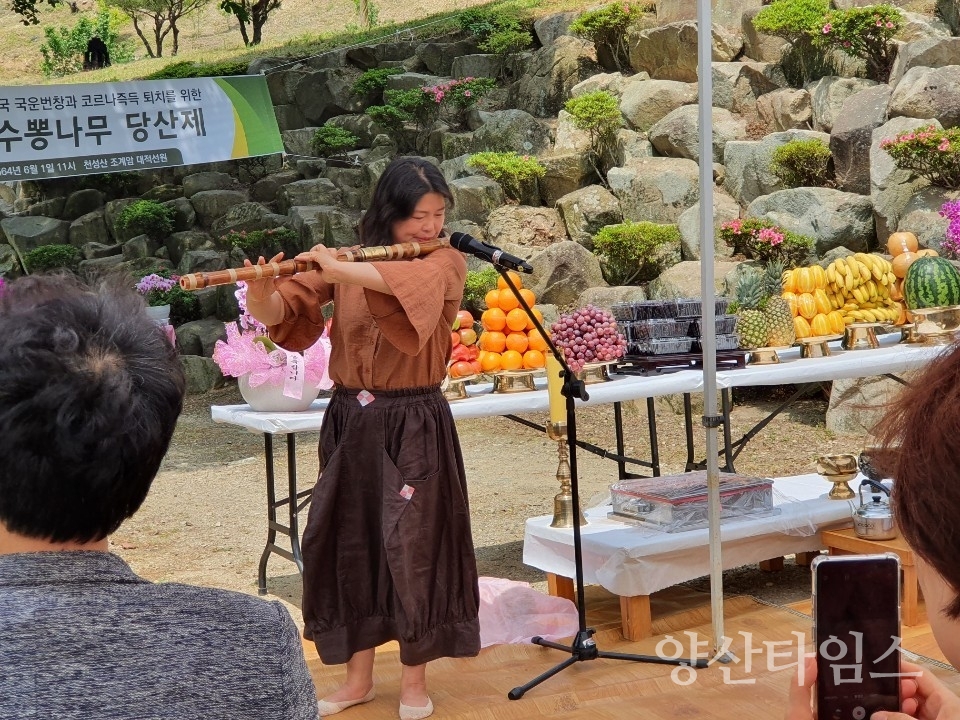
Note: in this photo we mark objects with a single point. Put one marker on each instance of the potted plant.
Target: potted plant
(264, 370)
(156, 291)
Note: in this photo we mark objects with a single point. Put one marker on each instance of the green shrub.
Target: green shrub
(373, 80)
(863, 32)
(265, 243)
(507, 42)
(607, 27)
(63, 48)
(802, 163)
(929, 153)
(626, 250)
(332, 140)
(797, 21)
(147, 217)
(52, 257)
(112, 185)
(484, 22)
(477, 284)
(765, 241)
(598, 113)
(515, 173)
(187, 69)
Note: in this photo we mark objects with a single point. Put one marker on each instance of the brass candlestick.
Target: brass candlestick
(563, 501)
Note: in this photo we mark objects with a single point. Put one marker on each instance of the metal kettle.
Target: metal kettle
(874, 520)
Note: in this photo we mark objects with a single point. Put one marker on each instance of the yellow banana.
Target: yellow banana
(841, 267)
(831, 274)
(848, 281)
(852, 266)
(864, 271)
(869, 316)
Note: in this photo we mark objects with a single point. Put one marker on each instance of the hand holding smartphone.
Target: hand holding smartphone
(856, 613)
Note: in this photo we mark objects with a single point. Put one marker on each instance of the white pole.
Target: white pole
(707, 295)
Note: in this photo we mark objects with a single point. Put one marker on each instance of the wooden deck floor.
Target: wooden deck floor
(476, 688)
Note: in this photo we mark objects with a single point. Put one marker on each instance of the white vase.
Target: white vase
(270, 398)
(160, 314)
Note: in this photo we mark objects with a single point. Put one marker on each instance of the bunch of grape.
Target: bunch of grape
(588, 335)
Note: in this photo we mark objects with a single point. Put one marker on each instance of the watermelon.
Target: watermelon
(931, 282)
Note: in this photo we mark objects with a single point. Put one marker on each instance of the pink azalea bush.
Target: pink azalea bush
(764, 240)
(929, 152)
(249, 351)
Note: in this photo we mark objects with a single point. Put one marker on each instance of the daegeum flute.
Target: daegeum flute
(198, 281)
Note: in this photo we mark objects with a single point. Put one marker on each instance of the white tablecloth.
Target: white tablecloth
(630, 560)
(484, 403)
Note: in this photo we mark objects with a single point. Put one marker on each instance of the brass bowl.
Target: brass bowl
(938, 325)
(456, 388)
(814, 347)
(909, 334)
(839, 470)
(860, 336)
(511, 381)
(593, 373)
(764, 356)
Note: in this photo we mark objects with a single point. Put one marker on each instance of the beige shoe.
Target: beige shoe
(332, 708)
(412, 712)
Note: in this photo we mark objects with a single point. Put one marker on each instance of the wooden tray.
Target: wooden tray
(661, 364)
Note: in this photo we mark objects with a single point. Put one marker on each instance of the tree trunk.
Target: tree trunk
(243, 32)
(176, 37)
(146, 44)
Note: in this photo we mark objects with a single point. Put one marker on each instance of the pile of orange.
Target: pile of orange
(509, 340)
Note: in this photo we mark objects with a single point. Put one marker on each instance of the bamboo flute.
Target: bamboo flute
(198, 281)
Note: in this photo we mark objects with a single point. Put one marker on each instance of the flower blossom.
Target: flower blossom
(827, 28)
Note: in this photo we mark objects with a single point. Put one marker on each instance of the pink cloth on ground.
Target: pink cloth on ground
(513, 612)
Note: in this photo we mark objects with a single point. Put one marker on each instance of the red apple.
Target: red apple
(465, 318)
(455, 338)
(461, 369)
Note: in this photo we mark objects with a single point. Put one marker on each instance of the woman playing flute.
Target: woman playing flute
(388, 553)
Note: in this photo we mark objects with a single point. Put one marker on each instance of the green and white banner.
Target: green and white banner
(51, 131)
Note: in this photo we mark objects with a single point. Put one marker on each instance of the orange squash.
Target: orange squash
(901, 242)
(902, 262)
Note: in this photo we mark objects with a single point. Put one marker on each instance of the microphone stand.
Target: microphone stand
(583, 647)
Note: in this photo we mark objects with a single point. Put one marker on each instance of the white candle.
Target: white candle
(558, 403)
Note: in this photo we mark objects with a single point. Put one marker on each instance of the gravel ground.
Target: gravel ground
(204, 523)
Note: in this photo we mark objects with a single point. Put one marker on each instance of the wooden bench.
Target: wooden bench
(846, 542)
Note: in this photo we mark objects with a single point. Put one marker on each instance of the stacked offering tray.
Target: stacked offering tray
(670, 327)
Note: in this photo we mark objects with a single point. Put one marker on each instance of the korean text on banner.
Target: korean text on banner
(51, 131)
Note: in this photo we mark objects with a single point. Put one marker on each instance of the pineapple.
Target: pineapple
(751, 325)
(776, 310)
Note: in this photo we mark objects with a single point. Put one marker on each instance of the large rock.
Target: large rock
(851, 137)
(728, 13)
(323, 94)
(922, 217)
(438, 57)
(246, 216)
(319, 191)
(828, 96)
(645, 102)
(607, 297)
(202, 374)
(500, 131)
(936, 52)
(524, 225)
(203, 261)
(550, 27)
(725, 208)
(89, 228)
(669, 52)
(891, 187)
(182, 242)
(757, 45)
(371, 56)
(586, 211)
(265, 189)
(568, 137)
(361, 125)
(858, 404)
(475, 198)
(413, 81)
(786, 109)
(212, 204)
(551, 74)
(199, 337)
(324, 225)
(747, 164)
(477, 66)
(282, 84)
(677, 135)
(917, 26)
(9, 263)
(562, 272)
(200, 182)
(832, 217)
(27, 233)
(929, 93)
(565, 173)
(81, 202)
(683, 281)
(613, 83)
(949, 12)
(656, 189)
(738, 85)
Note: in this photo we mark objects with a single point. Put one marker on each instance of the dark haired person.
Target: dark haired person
(387, 549)
(917, 441)
(90, 391)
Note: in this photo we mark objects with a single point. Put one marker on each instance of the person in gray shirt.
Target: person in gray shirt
(90, 392)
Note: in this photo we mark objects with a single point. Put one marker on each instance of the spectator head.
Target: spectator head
(90, 391)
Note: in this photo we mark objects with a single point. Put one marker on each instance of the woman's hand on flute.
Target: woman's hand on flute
(260, 290)
(323, 256)
(263, 301)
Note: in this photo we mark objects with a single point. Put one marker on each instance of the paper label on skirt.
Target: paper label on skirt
(406, 492)
(365, 397)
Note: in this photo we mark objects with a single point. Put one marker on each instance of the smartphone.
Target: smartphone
(856, 629)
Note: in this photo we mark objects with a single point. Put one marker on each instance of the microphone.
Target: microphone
(470, 245)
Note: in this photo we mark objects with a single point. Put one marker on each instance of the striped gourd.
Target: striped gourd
(931, 282)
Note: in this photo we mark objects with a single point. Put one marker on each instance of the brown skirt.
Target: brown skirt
(387, 549)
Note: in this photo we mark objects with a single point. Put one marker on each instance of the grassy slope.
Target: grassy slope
(211, 36)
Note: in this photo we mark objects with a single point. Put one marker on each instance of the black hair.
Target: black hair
(395, 197)
(90, 392)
